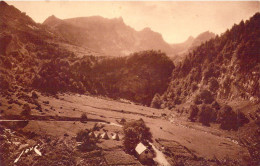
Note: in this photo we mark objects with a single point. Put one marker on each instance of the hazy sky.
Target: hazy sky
(176, 21)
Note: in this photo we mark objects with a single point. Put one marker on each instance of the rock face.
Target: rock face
(190, 44)
(109, 36)
(38, 60)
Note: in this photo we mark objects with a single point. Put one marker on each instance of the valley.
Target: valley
(85, 90)
(168, 131)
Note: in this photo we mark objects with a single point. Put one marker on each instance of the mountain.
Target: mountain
(181, 49)
(37, 57)
(205, 36)
(42, 76)
(224, 68)
(110, 36)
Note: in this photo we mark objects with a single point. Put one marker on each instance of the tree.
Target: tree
(83, 117)
(205, 115)
(26, 110)
(227, 118)
(213, 84)
(156, 102)
(135, 132)
(88, 141)
(230, 119)
(193, 112)
(206, 97)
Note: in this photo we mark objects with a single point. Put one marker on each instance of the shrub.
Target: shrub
(83, 117)
(34, 95)
(4, 83)
(193, 112)
(135, 132)
(205, 115)
(26, 110)
(21, 124)
(156, 102)
(194, 86)
(197, 100)
(206, 97)
(242, 119)
(227, 118)
(215, 105)
(213, 84)
(177, 101)
(88, 141)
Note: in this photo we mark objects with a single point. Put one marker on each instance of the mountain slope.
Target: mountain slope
(203, 37)
(35, 58)
(110, 36)
(191, 43)
(226, 66)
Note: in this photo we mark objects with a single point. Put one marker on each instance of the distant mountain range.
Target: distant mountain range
(114, 38)
(190, 44)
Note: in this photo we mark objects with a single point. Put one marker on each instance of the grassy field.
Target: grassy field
(172, 135)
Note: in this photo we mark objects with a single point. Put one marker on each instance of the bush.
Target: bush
(227, 118)
(206, 97)
(156, 102)
(88, 142)
(194, 86)
(26, 110)
(242, 119)
(193, 112)
(4, 83)
(230, 119)
(177, 101)
(34, 95)
(205, 115)
(213, 84)
(215, 105)
(83, 117)
(197, 100)
(21, 124)
(135, 132)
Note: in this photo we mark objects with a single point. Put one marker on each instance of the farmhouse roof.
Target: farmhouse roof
(140, 148)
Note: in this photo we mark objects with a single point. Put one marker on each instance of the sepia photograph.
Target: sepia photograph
(129, 83)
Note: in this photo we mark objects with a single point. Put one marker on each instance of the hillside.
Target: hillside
(109, 36)
(136, 77)
(58, 94)
(220, 73)
(43, 60)
(227, 66)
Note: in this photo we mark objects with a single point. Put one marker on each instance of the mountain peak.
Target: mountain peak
(147, 29)
(190, 38)
(51, 20)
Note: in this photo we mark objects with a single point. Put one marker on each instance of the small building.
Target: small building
(144, 154)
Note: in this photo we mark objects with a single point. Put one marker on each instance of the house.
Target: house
(144, 154)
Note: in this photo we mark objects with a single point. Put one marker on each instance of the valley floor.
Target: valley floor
(175, 137)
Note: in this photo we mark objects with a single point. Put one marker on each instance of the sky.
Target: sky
(175, 20)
